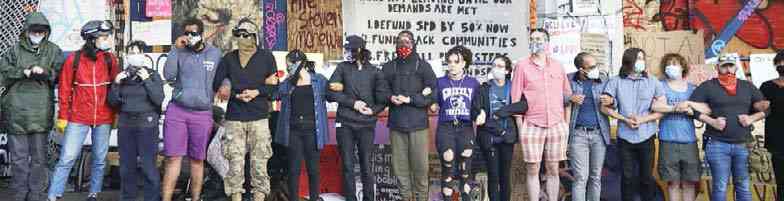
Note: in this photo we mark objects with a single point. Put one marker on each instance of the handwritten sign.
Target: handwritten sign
(66, 18)
(597, 45)
(656, 44)
(316, 26)
(488, 28)
(274, 29)
(386, 182)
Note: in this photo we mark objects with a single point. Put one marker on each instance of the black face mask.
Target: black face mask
(780, 69)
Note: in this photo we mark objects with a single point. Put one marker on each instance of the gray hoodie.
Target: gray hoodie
(190, 74)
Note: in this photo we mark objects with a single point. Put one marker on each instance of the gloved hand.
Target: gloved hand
(59, 125)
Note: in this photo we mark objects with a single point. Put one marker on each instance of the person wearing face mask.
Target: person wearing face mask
(360, 90)
(27, 72)
(302, 122)
(544, 133)
(773, 90)
(411, 80)
(190, 69)
(629, 97)
(457, 104)
(83, 89)
(729, 107)
(589, 129)
(498, 135)
(247, 112)
(679, 161)
(137, 93)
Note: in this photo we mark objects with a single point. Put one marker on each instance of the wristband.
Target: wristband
(696, 114)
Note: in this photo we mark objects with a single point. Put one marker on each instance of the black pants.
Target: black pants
(777, 158)
(637, 176)
(350, 137)
(28, 166)
(141, 142)
(499, 164)
(457, 139)
(302, 146)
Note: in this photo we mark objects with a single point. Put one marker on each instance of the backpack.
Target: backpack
(75, 66)
(760, 165)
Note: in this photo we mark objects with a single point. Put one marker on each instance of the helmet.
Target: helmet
(92, 28)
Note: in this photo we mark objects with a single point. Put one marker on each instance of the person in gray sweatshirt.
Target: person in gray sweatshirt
(190, 70)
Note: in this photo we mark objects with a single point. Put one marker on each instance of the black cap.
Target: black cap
(354, 42)
(92, 28)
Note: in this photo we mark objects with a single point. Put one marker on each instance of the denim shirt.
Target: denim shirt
(596, 91)
(319, 85)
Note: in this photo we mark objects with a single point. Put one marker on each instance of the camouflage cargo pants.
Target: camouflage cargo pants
(247, 137)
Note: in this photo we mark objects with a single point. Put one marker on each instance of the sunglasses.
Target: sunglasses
(244, 35)
(191, 33)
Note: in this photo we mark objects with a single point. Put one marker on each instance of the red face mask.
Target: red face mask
(728, 81)
(404, 52)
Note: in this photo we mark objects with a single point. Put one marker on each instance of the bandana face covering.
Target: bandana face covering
(729, 82)
(404, 52)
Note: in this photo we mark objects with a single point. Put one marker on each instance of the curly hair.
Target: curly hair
(665, 61)
(461, 51)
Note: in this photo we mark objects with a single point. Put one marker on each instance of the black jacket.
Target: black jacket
(492, 126)
(367, 85)
(139, 101)
(409, 77)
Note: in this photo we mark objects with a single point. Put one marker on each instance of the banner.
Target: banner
(316, 26)
(66, 18)
(656, 44)
(440, 25)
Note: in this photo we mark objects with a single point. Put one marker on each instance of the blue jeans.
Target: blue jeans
(728, 159)
(72, 147)
(586, 158)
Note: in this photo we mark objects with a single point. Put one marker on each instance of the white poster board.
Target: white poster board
(66, 17)
(762, 69)
(488, 28)
(156, 32)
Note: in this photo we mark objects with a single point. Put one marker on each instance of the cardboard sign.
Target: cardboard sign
(657, 44)
(316, 26)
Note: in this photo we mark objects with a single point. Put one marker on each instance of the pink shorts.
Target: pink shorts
(550, 142)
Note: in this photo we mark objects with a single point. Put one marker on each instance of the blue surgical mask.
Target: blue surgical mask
(674, 72)
(536, 47)
(639, 66)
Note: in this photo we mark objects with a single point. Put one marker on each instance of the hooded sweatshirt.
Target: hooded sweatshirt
(191, 74)
(30, 100)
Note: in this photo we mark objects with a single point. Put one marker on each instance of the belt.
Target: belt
(585, 128)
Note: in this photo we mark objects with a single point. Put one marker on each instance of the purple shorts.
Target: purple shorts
(185, 129)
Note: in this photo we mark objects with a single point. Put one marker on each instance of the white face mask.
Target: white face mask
(674, 72)
(639, 66)
(194, 40)
(593, 74)
(35, 39)
(104, 45)
(498, 73)
(135, 59)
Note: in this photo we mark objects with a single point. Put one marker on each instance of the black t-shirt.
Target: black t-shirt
(724, 105)
(302, 108)
(774, 123)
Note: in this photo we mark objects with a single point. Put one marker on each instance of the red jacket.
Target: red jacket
(83, 98)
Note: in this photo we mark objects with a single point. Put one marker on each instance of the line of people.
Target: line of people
(554, 116)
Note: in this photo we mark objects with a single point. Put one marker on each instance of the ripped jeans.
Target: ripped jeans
(455, 145)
